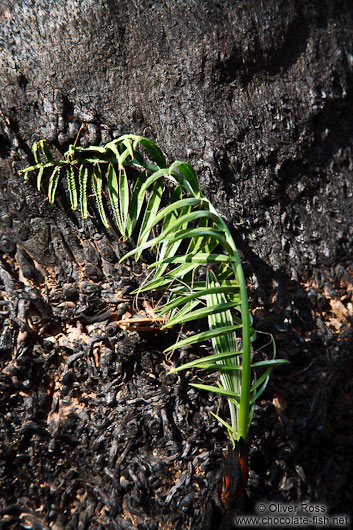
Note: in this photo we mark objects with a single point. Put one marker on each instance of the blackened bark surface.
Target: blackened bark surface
(258, 96)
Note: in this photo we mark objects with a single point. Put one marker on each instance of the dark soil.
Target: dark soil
(95, 434)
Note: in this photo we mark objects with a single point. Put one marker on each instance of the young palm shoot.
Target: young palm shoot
(197, 263)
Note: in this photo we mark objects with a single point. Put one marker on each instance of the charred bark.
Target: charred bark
(258, 97)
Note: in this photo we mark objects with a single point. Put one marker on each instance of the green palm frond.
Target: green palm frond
(71, 183)
(114, 196)
(53, 183)
(196, 260)
(97, 186)
(83, 181)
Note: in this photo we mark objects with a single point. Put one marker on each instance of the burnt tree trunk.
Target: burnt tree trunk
(258, 96)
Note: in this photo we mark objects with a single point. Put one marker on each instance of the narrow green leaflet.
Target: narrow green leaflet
(206, 243)
(167, 280)
(71, 184)
(128, 144)
(188, 173)
(36, 153)
(256, 396)
(208, 359)
(152, 149)
(229, 428)
(39, 178)
(201, 258)
(217, 390)
(53, 184)
(150, 181)
(221, 368)
(216, 233)
(171, 234)
(150, 212)
(200, 337)
(124, 199)
(230, 382)
(272, 362)
(113, 190)
(168, 248)
(46, 151)
(182, 300)
(260, 380)
(83, 179)
(136, 203)
(35, 167)
(186, 310)
(115, 150)
(175, 206)
(200, 313)
(138, 161)
(90, 149)
(97, 186)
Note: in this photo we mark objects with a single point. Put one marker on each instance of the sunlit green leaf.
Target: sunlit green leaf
(188, 172)
(206, 359)
(83, 179)
(150, 211)
(113, 190)
(200, 337)
(153, 151)
(53, 183)
(124, 199)
(71, 184)
(46, 151)
(200, 313)
(39, 177)
(217, 390)
(97, 186)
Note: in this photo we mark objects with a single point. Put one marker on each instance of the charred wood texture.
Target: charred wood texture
(258, 97)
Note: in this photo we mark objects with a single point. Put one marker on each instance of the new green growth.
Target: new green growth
(196, 264)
